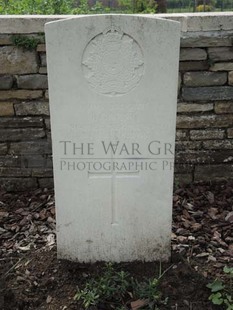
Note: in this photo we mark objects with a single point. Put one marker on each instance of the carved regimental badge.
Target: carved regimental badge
(113, 63)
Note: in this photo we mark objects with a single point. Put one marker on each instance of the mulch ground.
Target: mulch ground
(33, 278)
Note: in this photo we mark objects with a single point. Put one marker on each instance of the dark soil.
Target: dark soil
(33, 278)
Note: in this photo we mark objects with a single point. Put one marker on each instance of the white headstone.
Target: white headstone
(113, 90)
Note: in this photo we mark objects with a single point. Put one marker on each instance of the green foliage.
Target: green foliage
(35, 6)
(28, 43)
(115, 288)
(228, 270)
(50, 7)
(84, 8)
(138, 6)
(216, 286)
(148, 290)
(221, 294)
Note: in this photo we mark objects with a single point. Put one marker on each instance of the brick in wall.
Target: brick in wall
(206, 78)
(24, 134)
(184, 107)
(220, 53)
(6, 109)
(222, 66)
(32, 81)
(223, 107)
(20, 94)
(32, 108)
(207, 134)
(6, 82)
(204, 121)
(207, 93)
(211, 172)
(14, 60)
(230, 133)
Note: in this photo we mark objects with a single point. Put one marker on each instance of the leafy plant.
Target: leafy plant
(114, 288)
(25, 42)
(221, 294)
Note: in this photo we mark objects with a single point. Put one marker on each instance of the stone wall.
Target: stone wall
(204, 149)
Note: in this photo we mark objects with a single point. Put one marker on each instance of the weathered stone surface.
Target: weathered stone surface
(46, 95)
(20, 94)
(184, 107)
(218, 144)
(223, 107)
(14, 172)
(206, 21)
(6, 109)
(213, 172)
(32, 108)
(192, 157)
(35, 161)
(43, 70)
(206, 39)
(26, 24)
(32, 81)
(47, 123)
(45, 172)
(6, 81)
(14, 60)
(207, 134)
(110, 117)
(5, 39)
(204, 78)
(48, 134)
(49, 161)
(222, 66)
(204, 121)
(10, 161)
(230, 78)
(188, 145)
(46, 182)
(193, 65)
(230, 133)
(31, 147)
(207, 93)
(10, 122)
(41, 48)
(220, 53)
(192, 54)
(179, 82)
(181, 135)
(43, 60)
(23, 134)
(3, 148)
(18, 184)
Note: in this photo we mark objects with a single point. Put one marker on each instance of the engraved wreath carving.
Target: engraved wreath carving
(113, 63)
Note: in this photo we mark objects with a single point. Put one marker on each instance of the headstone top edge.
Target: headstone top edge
(101, 16)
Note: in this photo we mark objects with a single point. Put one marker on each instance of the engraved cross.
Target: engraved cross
(113, 175)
